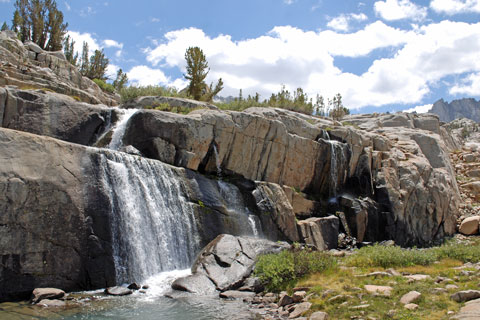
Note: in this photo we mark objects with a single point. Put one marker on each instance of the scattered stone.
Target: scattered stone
(362, 306)
(380, 290)
(394, 272)
(285, 299)
(451, 287)
(134, 286)
(298, 296)
(469, 226)
(118, 291)
(465, 295)
(51, 303)
(252, 284)
(418, 277)
(411, 306)
(145, 286)
(410, 297)
(319, 315)
(300, 309)
(376, 274)
(439, 290)
(234, 294)
(46, 293)
(340, 297)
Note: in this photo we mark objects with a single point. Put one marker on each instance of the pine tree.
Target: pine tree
(98, 65)
(197, 71)
(4, 26)
(85, 61)
(121, 80)
(69, 50)
(39, 21)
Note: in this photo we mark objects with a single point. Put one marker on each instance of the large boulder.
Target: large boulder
(55, 115)
(227, 262)
(320, 233)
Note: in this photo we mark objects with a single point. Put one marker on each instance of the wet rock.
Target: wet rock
(410, 297)
(465, 295)
(197, 283)
(51, 303)
(118, 291)
(46, 293)
(134, 286)
(321, 233)
(380, 290)
(145, 286)
(469, 226)
(300, 309)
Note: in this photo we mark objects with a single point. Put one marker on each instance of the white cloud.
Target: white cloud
(420, 109)
(419, 58)
(67, 6)
(108, 43)
(468, 86)
(80, 38)
(4, 1)
(111, 72)
(399, 9)
(342, 22)
(145, 76)
(455, 6)
(87, 12)
(289, 2)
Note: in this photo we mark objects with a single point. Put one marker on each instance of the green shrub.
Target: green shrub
(461, 252)
(387, 257)
(104, 86)
(281, 270)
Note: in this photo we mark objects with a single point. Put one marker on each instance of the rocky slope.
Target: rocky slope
(28, 66)
(462, 108)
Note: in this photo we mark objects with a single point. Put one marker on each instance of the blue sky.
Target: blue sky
(384, 55)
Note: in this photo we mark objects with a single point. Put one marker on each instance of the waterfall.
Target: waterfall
(338, 163)
(120, 127)
(217, 160)
(153, 225)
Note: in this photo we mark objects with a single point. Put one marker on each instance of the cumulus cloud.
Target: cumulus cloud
(108, 43)
(455, 6)
(145, 76)
(470, 85)
(420, 109)
(111, 72)
(80, 38)
(286, 55)
(342, 22)
(399, 9)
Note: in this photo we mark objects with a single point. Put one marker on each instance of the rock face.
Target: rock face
(28, 66)
(54, 115)
(462, 108)
(225, 263)
(399, 162)
(321, 233)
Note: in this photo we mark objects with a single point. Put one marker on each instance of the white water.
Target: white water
(120, 127)
(338, 160)
(153, 225)
(217, 160)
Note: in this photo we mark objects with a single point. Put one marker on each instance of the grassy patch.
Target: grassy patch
(281, 270)
(104, 86)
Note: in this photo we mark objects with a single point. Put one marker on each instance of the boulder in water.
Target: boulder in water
(134, 286)
(46, 293)
(118, 291)
(197, 283)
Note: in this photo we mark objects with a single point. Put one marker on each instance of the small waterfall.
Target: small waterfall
(338, 163)
(248, 223)
(217, 160)
(153, 225)
(120, 127)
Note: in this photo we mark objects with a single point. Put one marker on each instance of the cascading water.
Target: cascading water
(120, 128)
(152, 223)
(248, 223)
(338, 162)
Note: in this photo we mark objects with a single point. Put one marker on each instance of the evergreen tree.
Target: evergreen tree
(121, 80)
(85, 60)
(4, 26)
(98, 65)
(39, 21)
(69, 50)
(197, 71)
(338, 110)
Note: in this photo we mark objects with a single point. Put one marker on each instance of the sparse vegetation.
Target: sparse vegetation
(104, 86)
(132, 92)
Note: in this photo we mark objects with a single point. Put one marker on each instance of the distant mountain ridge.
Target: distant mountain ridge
(461, 108)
